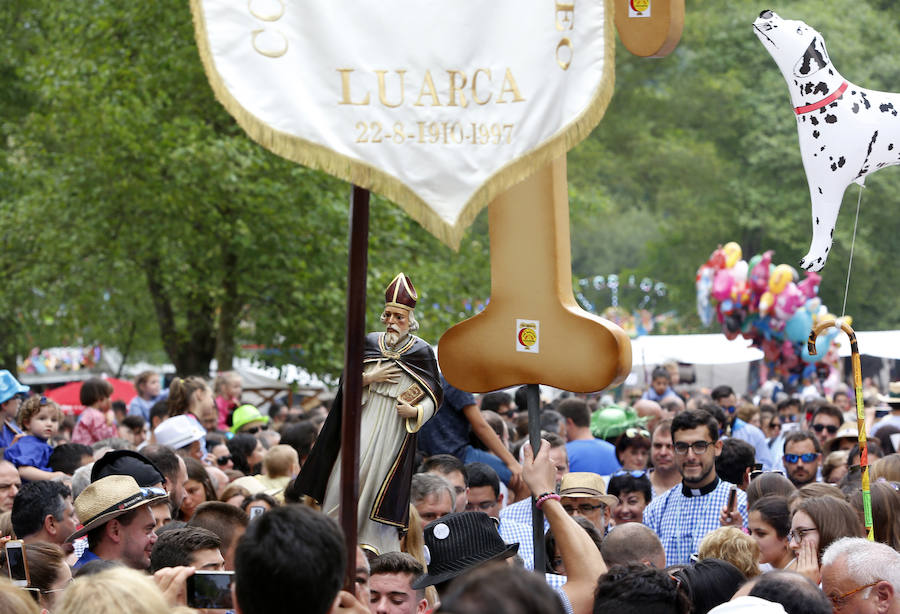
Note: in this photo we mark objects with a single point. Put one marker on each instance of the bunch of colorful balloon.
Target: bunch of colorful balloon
(765, 303)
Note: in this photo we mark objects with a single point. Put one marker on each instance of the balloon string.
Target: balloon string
(852, 244)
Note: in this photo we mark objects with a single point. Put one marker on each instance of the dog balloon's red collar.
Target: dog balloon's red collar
(818, 105)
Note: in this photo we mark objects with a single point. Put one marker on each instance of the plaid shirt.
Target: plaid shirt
(681, 522)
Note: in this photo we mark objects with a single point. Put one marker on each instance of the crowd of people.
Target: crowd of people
(677, 500)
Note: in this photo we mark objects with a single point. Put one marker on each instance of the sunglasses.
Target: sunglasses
(806, 458)
(633, 432)
(584, 508)
(256, 429)
(224, 460)
(832, 429)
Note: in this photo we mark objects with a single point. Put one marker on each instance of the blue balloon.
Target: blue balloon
(798, 327)
(823, 343)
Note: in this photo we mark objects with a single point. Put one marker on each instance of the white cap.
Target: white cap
(178, 432)
(748, 605)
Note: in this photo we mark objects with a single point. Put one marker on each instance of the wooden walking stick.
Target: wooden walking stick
(860, 414)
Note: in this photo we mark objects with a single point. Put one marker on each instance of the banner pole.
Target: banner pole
(534, 437)
(353, 367)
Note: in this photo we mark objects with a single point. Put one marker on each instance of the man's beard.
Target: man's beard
(393, 336)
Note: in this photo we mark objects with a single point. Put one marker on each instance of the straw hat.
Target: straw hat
(586, 484)
(110, 497)
(847, 431)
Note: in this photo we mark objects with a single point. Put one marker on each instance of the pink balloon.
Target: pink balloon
(759, 274)
(810, 286)
(722, 284)
(787, 301)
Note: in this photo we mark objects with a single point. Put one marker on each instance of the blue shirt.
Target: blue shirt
(756, 438)
(682, 521)
(596, 456)
(30, 451)
(448, 430)
(86, 557)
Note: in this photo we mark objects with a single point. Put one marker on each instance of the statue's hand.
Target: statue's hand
(405, 410)
(389, 373)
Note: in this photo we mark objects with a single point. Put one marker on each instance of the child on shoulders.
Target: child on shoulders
(39, 418)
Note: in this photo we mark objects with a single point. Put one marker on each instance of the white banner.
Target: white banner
(437, 105)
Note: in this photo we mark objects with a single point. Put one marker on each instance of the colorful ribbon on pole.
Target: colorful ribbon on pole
(860, 413)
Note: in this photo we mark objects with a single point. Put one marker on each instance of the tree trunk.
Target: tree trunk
(192, 349)
(228, 312)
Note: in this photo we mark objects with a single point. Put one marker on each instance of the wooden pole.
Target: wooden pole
(353, 367)
(534, 437)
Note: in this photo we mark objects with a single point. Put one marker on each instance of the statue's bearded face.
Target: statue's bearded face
(396, 323)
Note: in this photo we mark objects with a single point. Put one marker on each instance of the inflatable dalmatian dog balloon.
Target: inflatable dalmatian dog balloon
(846, 131)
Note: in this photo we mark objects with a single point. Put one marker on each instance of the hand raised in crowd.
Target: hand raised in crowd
(389, 373)
(172, 581)
(346, 603)
(515, 481)
(808, 561)
(730, 518)
(538, 472)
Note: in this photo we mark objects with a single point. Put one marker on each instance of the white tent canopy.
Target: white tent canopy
(715, 349)
(712, 349)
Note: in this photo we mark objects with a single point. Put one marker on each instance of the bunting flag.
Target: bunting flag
(439, 106)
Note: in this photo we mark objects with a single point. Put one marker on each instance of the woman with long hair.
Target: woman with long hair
(769, 524)
(246, 453)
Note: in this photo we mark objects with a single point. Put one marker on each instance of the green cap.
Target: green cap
(245, 414)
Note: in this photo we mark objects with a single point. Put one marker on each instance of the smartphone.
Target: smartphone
(16, 563)
(256, 511)
(210, 590)
(732, 499)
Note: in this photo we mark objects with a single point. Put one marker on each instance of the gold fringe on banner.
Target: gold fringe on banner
(359, 173)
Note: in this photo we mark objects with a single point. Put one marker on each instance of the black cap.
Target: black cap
(128, 462)
(458, 542)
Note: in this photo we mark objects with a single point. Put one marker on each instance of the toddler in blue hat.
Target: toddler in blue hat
(11, 394)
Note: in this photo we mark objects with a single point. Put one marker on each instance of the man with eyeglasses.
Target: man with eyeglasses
(584, 494)
(861, 577)
(802, 457)
(826, 421)
(683, 516)
(484, 490)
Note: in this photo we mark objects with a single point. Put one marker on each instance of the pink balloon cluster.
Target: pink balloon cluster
(763, 302)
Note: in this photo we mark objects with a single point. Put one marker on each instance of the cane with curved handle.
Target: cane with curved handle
(860, 412)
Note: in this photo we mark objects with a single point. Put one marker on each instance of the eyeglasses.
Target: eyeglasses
(152, 491)
(638, 473)
(254, 430)
(831, 428)
(584, 508)
(797, 534)
(793, 458)
(224, 460)
(699, 447)
(840, 601)
(483, 506)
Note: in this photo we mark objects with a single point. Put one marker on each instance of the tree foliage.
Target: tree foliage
(134, 212)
